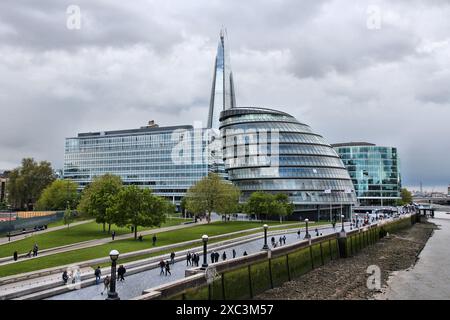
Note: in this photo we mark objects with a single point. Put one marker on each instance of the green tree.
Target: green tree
(139, 208)
(266, 204)
(259, 203)
(58, 195)
(287, 207)
(27, 182)
(99, 196)
(212, 193)
(406, 196)
(68, 216)
(229, 201)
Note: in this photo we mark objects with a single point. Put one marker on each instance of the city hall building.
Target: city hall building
(374, 171)
(269, 150)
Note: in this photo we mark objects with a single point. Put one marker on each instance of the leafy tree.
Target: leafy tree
(263, 203)
(58, 195)
(229, 201)
(287, 207)
(139, 208)
(212, 193)
(259, 203)
(406, 196)
(27, 182)
(68, 216)
(99, 196)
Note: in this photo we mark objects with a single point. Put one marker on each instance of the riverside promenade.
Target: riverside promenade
(136, 283)
(429, 278)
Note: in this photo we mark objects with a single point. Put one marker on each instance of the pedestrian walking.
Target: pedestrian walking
(65, 277)
(213, 257)
(280, 240)
(217, 256)
(168, 268)
(195, 258)
(140, 238)
(298, 234)
(113, 235)
(188, 259)
(15, 255)
(98, 274)
(317, 232)
(234, 253)
(35, 250)
(121, 272)
(334, 225)
(172, 258)
(154, 240)
(162, 265)
(106, 283)
(224, 256)
(284, 239)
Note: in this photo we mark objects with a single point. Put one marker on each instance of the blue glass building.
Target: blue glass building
(374, 171)
(269, 150)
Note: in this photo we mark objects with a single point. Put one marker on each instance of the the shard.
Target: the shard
(222, 91)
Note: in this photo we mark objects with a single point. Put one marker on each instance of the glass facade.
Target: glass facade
(167, 160)
(222, 90)
(374, 171)
(268, 150)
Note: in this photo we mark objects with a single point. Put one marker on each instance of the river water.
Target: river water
(429, 278)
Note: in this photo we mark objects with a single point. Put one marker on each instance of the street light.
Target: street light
(205, 261)
(342, 221)
(112, 294)
(265, 247)
(307, 235)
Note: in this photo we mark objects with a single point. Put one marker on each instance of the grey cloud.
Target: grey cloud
(133, 61)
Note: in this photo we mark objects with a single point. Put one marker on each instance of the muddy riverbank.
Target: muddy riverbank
(346, 278)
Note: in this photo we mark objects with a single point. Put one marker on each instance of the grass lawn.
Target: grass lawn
(129, 245)
(79, 233)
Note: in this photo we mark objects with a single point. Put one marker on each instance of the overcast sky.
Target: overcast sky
(376, 71)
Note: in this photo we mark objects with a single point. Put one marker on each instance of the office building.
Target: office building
(374, 171)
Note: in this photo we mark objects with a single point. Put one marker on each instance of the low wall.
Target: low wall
(246, 277)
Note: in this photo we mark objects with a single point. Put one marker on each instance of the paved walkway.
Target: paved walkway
(136, 283)
(97, 242)
(430, 276)
(4, 240)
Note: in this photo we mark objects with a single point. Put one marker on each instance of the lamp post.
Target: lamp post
(342, 221)
(112, 294)
(265, 246)
(307, 235)
(205, 260)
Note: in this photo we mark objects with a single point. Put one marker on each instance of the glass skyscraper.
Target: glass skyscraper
(269, 150)
(222, 90)
(167, 160)
(374, 171)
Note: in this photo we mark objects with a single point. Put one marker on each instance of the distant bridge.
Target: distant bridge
(431, 200)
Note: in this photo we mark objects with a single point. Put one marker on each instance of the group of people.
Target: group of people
(107, 280)
(73, 276)
(192, 259)
(165, 268)
(281, 240)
